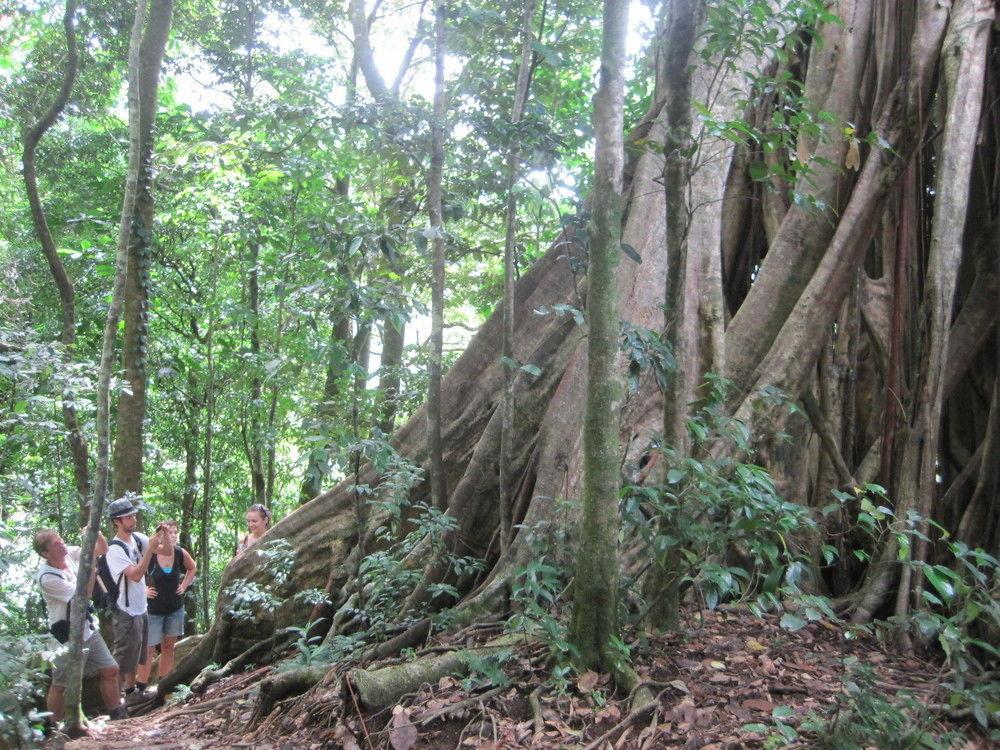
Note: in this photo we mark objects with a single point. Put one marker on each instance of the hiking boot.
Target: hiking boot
(118, 713)
(137, 696)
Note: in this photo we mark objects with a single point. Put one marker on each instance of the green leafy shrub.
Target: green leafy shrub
(722, 518)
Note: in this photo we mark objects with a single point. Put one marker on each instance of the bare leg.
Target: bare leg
(109, 687)
(142, 671)
(166, 654)
(54, 702)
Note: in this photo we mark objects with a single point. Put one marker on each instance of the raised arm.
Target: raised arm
(136, 571)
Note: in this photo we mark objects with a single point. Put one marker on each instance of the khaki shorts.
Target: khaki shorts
(96, 657)
(131, 632)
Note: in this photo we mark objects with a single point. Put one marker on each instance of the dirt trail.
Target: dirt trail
(725, 674)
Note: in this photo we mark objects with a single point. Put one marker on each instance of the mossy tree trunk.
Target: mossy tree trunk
(595, 588)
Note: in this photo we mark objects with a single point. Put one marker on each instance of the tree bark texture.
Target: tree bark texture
(681, 318)
(439, 487)
(835, 340)
(131, 409)
(509, 263)
(141, 79)
(67, 293)
(595, 593)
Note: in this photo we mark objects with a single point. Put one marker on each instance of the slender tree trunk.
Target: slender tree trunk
(595, 597)
(251, 419)
(439, 489)
(205, 565)
(682, 17)
(189, 496)
(393, 334)
(67, 293)
(509, 262)
(142, 78)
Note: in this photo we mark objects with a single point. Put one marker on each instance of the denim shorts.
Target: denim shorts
(163, 625)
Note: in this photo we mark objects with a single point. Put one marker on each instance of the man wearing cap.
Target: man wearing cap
(57, 578)
(128, 559)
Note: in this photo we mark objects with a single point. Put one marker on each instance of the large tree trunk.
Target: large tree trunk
(326, 535)
(131, 410)
(148, 41)
(964, 75)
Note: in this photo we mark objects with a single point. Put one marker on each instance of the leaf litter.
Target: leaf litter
(726, 681)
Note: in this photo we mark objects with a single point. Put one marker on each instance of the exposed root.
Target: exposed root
(382, 688)
(238, 663)
(636, 715)
(283, 685)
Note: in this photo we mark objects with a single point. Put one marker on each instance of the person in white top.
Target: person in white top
(128, 557)
(57, 579)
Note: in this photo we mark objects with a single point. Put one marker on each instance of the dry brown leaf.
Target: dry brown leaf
(679, 686)
(587, 681)
(853, 158)
(345, 739)
(758, 704)
(403, 734)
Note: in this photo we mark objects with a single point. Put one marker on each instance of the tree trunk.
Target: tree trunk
(682, 18)
(439, 487)
(833, 83)
(595, 593)
(143, 77)
(393, 333)
(131, 410)
(67, 293)
(964, 64)
(509, 262)
(336, 365)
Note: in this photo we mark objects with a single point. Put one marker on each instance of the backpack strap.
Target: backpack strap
(120, 543)
(60, 575)
(57, 575)
(178, 559)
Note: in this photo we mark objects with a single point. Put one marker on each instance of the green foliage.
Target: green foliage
(736, 536)
(249, 599)
(487, 671)
(536, 593)
(22, 688)
(862, 717)
(645, 351)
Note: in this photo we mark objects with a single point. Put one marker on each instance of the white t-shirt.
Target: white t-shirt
(59, 586)
(118, 560)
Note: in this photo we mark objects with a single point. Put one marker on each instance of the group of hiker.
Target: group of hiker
(141, 580)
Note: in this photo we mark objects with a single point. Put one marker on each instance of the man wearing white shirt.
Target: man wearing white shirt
(57, 579)
(128, 559)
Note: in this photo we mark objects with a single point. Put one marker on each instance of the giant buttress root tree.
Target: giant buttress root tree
(857, 265)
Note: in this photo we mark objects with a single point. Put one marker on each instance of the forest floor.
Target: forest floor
(729, 680)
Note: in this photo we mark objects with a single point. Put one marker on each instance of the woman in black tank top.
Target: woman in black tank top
(167, 579)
